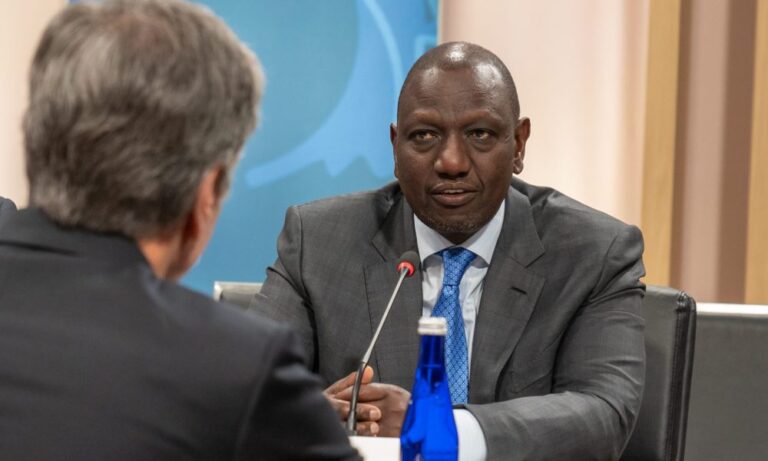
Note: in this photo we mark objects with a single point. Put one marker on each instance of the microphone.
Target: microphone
(406, 266)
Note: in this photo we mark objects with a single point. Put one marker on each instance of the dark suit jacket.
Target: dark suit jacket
(7, 207)
(558, 356)
(101, 360)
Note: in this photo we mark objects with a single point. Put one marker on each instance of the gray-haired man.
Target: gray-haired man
(137, 113)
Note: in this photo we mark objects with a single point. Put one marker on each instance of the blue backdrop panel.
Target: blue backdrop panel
(334, 68)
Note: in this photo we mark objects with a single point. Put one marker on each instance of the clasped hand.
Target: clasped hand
(380, 407)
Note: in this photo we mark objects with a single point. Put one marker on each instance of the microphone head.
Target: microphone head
(408, 262)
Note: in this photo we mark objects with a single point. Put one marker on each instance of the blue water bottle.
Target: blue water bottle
(429, 430)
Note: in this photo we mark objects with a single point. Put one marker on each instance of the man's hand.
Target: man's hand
(390, 400)
(367, 415)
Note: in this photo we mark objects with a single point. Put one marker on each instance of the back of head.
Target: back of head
(131, 102)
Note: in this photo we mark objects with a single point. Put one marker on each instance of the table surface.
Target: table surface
(377, 448)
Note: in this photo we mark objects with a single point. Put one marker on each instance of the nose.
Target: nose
(453, 158)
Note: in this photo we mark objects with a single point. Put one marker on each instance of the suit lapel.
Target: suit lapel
(396, 352)
(510, 292)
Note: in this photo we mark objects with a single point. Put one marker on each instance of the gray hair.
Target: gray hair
(131, 102)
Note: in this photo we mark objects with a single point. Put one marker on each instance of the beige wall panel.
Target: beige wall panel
(580, 70)
(736, 151)
(709, 248)
(702, 115)
(757, 244)
(660, 138)
(22, 24)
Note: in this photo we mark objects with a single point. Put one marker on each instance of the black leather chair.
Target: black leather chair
(7, 207)
(237, 293)
(659, 434)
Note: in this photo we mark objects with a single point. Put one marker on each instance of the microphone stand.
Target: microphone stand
(352, 417)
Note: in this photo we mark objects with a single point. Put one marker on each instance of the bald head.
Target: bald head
(463, 55)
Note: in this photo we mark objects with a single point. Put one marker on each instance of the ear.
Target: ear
(522, 132)
(199, 222)
(393, 140)
(206, 202)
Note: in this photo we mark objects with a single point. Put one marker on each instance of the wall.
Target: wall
(580, 71)
(712, 177)
(23, 22)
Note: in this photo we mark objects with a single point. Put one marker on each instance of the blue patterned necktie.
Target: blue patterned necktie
(455, 263)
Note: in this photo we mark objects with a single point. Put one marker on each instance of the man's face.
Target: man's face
(456, 146)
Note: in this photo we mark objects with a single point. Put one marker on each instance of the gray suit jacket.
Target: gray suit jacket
(558, 356)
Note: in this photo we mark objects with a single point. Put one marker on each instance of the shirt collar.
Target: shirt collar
(482, 243)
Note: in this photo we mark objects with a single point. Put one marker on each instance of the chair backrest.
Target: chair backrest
(729, 405)
(670, 327)
(238, 293)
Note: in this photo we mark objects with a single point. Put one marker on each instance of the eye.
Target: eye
(423, 136)
(480, 135)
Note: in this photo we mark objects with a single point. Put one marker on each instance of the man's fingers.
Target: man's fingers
(368, 392)
(348, 381)
(339, 406)
(341, 384)
(367, 412)
(367, 375)
(364, 412)
(373, 392)
(368, 428)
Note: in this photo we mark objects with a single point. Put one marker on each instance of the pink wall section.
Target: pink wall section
(23, 22)
(580, 71)
(714, 126)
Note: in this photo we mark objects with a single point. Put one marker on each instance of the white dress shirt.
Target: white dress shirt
(471, 439)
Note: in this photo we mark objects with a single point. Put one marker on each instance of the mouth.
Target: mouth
(453, 196)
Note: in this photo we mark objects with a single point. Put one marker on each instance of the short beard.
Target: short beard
(466, 227)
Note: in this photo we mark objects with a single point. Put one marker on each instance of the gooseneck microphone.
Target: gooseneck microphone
(406, 266)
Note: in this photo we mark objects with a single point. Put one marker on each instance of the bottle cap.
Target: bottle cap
(433, 326)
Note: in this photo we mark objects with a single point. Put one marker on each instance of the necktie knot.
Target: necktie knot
(455, 263)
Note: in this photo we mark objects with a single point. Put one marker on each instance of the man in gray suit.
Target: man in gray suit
(6, 208)
(137, 115)
(549, 329)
